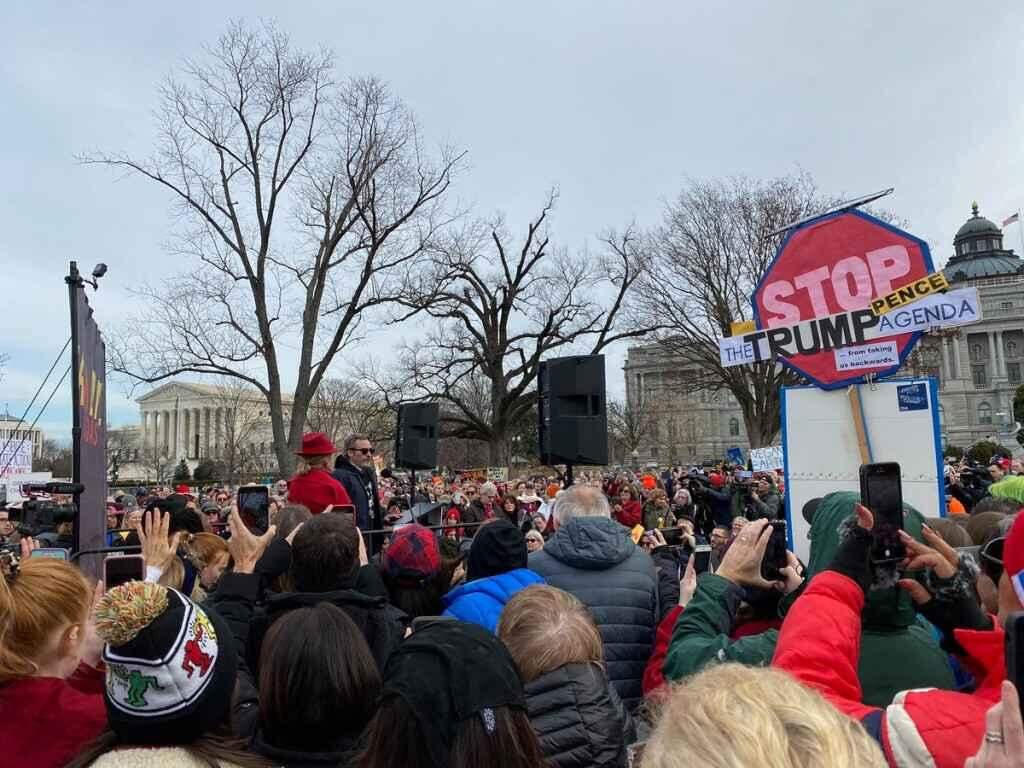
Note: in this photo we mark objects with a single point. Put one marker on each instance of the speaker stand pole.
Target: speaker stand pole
(568, 476)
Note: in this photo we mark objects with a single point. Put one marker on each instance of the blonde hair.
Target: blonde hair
(204, 548)
(315, 462)
(546, 628)
(733, 715)
(44, 596)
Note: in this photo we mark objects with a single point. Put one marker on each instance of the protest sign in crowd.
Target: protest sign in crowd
(645, 618)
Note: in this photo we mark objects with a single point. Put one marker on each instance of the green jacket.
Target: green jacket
(1010, 487)
(898, 650)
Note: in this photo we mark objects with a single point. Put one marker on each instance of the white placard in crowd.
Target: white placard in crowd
(12, 483)
(15, 457)
(497, 474)
(822, 455)
(765, 459)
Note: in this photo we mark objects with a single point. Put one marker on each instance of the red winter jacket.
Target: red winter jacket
(317, 489)
(46, 721)
(631, 515)
(820, 644)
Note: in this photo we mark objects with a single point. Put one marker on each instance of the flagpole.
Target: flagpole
(1020, 230)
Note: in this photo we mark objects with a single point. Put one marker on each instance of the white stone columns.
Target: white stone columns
(947, 371)
(145, 428)
(1000, 356)
(206, 433)
(992, 357)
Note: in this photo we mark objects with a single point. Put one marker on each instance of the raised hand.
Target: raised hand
(245, 547)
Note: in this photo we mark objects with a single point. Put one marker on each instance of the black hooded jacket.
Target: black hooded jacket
(356, 482)
(579, 719)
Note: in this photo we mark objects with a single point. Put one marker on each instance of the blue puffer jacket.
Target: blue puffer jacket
(482, 601)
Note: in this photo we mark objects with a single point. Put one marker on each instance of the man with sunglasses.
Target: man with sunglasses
(354, 469)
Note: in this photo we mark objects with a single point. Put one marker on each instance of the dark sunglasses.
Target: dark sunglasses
(991, 558)
(364, 451)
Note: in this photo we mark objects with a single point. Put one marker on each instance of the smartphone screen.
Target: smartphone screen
(673, 536)
(120, 569)
(1014, 648)
(344, 509)
(57, 553)
(775, 558)
(701, 558)
(254, 506)
(881, 491)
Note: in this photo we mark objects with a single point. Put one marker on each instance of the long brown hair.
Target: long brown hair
(393, 738)
(318, 679)
(43, 596)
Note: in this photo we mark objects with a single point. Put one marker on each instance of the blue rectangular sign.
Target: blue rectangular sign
(912, 397)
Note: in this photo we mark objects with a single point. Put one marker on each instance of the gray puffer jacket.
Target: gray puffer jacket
(579, 719)
(594, 559)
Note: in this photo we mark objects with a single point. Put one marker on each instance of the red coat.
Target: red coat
(46, 721)
(820, 644)
(631, 515)
(317, 489)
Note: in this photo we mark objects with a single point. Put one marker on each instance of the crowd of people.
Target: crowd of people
(363, 619)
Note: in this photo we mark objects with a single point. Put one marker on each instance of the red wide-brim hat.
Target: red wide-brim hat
(316, 444)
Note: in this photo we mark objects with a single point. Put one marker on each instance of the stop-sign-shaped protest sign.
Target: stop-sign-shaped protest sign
(835, 264)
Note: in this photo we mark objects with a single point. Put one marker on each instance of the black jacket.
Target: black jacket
(368, 514)
(364, 600)
(594, 559)
(578, 718)
(238, 594)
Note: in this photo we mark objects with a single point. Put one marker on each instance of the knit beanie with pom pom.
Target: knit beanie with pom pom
(171, 665)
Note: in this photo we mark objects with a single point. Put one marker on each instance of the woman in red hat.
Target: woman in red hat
(314, 485)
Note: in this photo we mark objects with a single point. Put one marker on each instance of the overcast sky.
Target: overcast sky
(615, 102)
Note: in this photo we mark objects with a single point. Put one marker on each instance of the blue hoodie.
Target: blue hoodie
(482, 601)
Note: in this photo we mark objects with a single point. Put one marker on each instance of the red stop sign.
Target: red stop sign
(838, 263)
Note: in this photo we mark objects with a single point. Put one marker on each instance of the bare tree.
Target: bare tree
(501, 309)
(242, 429)
(156, 463)
(705, 259)
(342, 407)
(252, 132)
(628, 425)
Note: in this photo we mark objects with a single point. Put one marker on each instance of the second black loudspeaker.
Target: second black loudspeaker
(416, 436)
(571, 409)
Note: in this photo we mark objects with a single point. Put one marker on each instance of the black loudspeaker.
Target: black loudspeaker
(571, 409)
(416, 436)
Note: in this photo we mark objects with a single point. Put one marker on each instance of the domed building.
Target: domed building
(979, 366)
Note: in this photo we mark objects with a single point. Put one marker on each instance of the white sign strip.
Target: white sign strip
(846, 329)
(867, 356)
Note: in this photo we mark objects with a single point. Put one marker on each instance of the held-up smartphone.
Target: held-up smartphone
(57, 553)
(1014, 647)
(120, 569)
(775, 558)
(701, 558)
(254, 507)
(882, 492)
(345, 509)
(673, 536)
